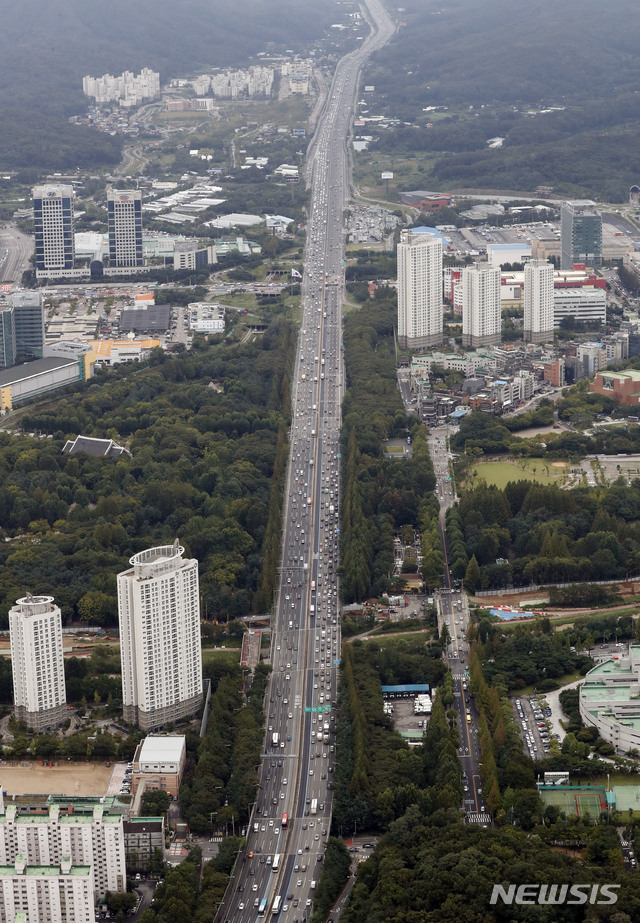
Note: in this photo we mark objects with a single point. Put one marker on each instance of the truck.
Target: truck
(274, 738)
(332, 508)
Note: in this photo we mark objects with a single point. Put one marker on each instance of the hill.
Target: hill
(495, 66)
(46, 49)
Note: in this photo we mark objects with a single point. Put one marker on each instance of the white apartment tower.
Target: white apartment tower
(93, 837)
(481, 315)
(124, 217)
(39, 692)
(419, 290)
(159, 611)
(46, 893)
(538, 301)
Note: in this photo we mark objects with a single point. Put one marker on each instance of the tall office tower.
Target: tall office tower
(538, 301)
(124, 212)
(28, 321)
(53, 227)
(419, 290)
(481, 315)
(580, 234)
(159, 611)
(88, 832)
(61, 893)
(39, 692)
(7, 337)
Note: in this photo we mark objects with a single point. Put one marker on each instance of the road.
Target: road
(453, 611)
(15, 250)
(275, 875)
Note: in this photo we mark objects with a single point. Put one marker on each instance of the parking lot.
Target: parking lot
(533, 714)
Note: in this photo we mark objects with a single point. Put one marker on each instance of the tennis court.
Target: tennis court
(576, 799)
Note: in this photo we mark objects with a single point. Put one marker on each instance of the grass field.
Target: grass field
(530, 469)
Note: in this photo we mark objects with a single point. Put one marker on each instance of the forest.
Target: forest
(567, 112)
(380, 494)
(207, 436)
(531, 533)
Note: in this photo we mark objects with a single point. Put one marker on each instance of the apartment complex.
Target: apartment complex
(581, 234)
(88, 834)
(538, 301)
(124, 217)
(419, 290)
(39, 692)
(53, 230)
(46, 893)
(481, 315)
(159, 612)
(128, 89)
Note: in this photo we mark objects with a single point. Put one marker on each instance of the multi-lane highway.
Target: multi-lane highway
(15, 250)
(275, 875)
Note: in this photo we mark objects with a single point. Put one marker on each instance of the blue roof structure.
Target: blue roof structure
(423, 229)
(406, 689)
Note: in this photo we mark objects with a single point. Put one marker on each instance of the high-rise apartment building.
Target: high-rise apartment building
(159, 611)
(124, 214)
(46, 893)
(419, 290)
(53, 229)
(481, 314)
(580, 234)
(89, 834)
(538, 301)
(39, 692)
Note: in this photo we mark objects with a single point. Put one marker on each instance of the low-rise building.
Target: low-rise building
(206, 317)
(142, 836)
(610, 699)
(158, 764)
(32, 379)
(623, 387)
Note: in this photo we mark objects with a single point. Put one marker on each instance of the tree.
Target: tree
(472, 576)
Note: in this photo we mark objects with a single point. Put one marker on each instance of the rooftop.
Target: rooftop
(31, 369)
(162, 749)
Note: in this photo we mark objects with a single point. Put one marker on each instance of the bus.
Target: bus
(276, 904)
(274, 739)
(262, 909)
(285, 820)
(275, 865)
(314, 806)
(313, 584)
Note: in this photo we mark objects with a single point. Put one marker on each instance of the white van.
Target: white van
(313, 884)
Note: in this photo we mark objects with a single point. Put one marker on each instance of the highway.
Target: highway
(15, 250)
(275, 874)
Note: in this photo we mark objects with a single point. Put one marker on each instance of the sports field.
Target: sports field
(65, 779)
(500, 473)
(576, 800)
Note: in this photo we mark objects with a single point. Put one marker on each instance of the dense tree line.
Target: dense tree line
(205, 430)
(380, 494)
(222, 777)
(377, 775)
(525, 655)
